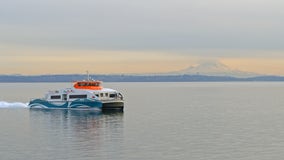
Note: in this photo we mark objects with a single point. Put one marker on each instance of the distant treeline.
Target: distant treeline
(133, 78)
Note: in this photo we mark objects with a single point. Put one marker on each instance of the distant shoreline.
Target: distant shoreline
(135, 78)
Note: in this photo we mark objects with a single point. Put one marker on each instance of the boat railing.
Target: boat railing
(31, 99)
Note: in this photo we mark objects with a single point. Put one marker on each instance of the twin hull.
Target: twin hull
(76, 104)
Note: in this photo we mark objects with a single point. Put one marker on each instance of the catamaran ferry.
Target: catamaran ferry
(86, 94)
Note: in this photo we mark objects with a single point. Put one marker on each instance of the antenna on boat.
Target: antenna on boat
(88, 76)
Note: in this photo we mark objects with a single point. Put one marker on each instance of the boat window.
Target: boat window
(101, 95)
(97, 95)
(106, 94)
(78, 96)
(55, 97)
(112, 95)
(64, 97)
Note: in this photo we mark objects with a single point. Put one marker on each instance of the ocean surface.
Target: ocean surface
(161, 121)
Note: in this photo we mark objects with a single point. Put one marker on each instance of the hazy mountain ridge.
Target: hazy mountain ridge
(204, 72)
(134, 78)
(215, 68)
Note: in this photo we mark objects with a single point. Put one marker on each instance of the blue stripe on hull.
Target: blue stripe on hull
(76, 104)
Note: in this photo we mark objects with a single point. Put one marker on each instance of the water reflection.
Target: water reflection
(93, 133)
(78, 120)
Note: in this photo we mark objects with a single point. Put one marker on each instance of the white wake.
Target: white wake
(4, 104)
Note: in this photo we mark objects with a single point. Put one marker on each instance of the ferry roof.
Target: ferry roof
(89, 85)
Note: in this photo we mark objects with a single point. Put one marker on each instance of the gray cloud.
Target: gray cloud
(173, 25)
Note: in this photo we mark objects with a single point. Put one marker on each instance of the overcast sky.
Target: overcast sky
(123, 36)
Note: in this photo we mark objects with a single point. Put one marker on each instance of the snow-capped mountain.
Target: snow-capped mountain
(214, 68)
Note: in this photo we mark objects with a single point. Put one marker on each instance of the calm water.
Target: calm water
(198, 121)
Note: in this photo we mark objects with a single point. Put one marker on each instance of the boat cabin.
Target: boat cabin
(68, 95)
